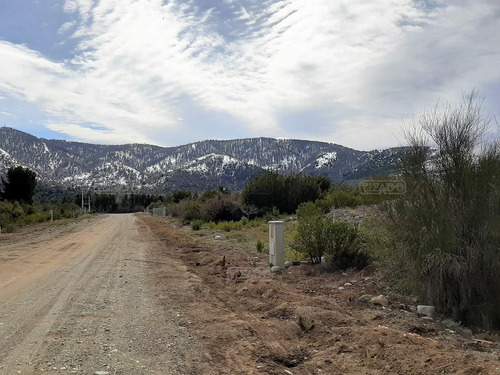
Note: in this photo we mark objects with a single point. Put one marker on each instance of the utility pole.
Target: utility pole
(85, 203)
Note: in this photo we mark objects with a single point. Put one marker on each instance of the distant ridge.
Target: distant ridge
(196, 166)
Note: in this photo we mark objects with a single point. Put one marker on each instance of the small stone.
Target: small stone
(288, 264)
(218, 237)
(380, 300)
(365, 297)
(101, 373)
(347, 284)
(464, 331)
(341, 288)
(275, 269)
(426, 310)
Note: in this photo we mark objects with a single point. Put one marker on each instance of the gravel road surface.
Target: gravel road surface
(84, 301)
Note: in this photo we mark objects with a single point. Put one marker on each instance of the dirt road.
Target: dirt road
(83, 302)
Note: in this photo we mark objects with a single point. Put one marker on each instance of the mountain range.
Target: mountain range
(196, 166)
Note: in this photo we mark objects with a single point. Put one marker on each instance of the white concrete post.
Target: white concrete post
(51, 215)
(277, 243)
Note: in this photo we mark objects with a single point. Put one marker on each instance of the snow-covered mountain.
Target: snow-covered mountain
(197, 166)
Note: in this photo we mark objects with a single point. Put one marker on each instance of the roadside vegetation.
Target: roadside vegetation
(438, 238)
(310, 234)
(17, 206)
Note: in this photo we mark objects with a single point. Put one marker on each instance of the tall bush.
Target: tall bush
(340, 197)
(318, 235)
(447, 225)
(348, 250)
(222, 207)
(313, 236)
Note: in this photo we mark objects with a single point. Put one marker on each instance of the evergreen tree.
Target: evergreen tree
(19, 185)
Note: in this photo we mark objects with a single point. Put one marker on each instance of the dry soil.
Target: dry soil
(132, 294)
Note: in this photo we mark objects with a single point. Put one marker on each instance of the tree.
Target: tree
(285, 192)
(19, 185)
(447, 225)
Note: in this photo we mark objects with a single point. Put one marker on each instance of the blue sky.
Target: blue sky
(174, 72)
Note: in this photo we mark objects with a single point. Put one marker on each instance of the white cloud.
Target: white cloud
(139, 62)
(66, 27)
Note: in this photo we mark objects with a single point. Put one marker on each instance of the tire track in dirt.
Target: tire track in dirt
(32, 317)
(96, 310)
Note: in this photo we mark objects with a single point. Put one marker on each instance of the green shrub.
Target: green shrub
(228, 226)
(196, 224)
(186, 209)
(447, 226)
(39, 217)
(259, 246)
(10, 212)
(318, 235)
(348, 247)
(222, 207)
(273, 214)
(313, 236)
(339, 198)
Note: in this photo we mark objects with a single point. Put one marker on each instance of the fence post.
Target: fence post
(277, 243)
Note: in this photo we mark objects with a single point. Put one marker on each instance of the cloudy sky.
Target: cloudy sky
(172, 72)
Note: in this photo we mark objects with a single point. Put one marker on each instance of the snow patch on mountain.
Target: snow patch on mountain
(166, 164)
(211, 162)
(224, 158)
(326, 160)
(79, 177)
